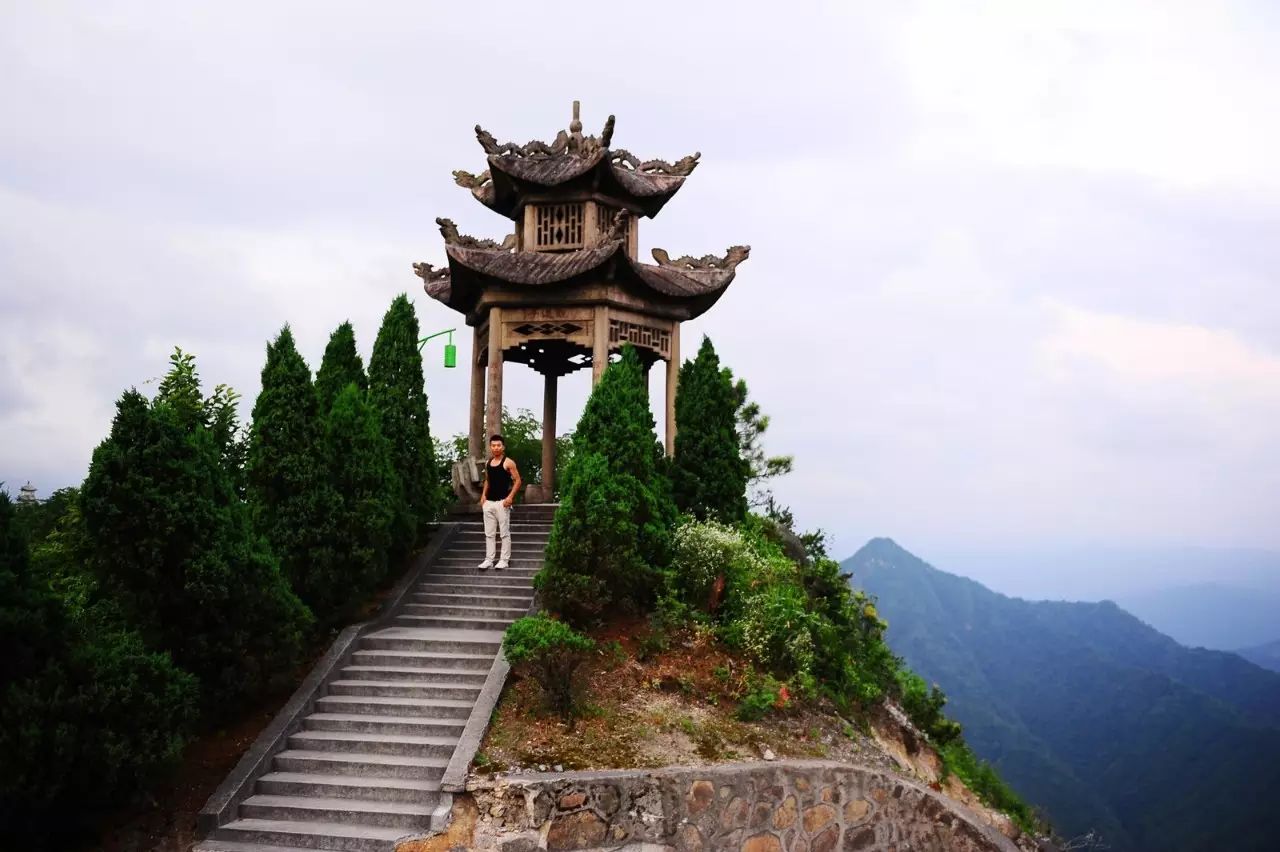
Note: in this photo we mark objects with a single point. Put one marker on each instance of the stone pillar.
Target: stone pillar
(475, 434)
(549, 436)
(600, 344)
(647, 367)
(673, 380)
(493, 408)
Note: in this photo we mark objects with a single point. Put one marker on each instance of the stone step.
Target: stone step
(494, 611)
(476, 551)
(415, 675)
(505, 598)
(311, 835)
(363, 764)
(426, 659)
(517, 528)
(350, 787)
(459, 577)
(454, 623)
(470, 647)
(211, 845)
(408, 815)
(415, 726)
(406, 689)
(359, 742)
(368, 705)
(518, 538)
(479, 589)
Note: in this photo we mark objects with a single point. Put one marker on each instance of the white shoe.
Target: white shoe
(485, 565)
(501, 566)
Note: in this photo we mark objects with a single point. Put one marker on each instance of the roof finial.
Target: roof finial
(575, 126)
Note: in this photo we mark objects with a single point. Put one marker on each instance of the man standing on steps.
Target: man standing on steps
(501, 483)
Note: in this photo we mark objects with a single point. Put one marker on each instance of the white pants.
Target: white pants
(497, 518)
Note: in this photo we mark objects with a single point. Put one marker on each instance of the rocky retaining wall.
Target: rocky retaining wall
(753, 807)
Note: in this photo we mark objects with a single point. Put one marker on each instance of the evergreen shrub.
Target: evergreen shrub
(550, 651)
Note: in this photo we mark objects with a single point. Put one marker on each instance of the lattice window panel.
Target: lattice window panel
(656, 339)
(559, 226)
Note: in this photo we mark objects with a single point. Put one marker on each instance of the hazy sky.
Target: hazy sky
(1013, 271)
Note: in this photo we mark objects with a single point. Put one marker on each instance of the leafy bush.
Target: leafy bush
(923, 705)
(764, 696)
(551, 652)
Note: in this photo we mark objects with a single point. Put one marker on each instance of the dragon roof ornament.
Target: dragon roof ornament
(452, 237)
(734, 256)
(429, 273)
(682, 167)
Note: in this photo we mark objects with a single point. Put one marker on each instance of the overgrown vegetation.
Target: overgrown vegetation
(149, 604)
(748, 581)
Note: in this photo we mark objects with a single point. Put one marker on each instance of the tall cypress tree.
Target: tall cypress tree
(396, 392)
(361, 473)
(610, 536)
(708, 474)
(172, 544)
(293, 503)
(340, 367)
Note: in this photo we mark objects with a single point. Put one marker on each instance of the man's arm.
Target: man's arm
(484, 492)
(516, 482)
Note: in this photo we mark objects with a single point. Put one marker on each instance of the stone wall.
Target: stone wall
(781, 806)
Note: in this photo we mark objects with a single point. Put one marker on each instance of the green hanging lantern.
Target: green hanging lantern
(450, 351)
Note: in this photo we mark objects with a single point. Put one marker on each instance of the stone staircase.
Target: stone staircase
(364, 766)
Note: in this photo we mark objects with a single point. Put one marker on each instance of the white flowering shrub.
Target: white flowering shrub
(703, 551)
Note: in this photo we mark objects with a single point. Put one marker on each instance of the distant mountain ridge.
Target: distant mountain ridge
(1089, 712)
(1266, 655)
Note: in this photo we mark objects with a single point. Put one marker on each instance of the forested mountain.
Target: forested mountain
(1087, 711)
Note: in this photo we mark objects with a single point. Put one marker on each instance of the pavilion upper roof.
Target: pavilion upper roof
(572, 162)
(475, 265)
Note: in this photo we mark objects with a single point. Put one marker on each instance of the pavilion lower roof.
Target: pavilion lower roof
(695, 283)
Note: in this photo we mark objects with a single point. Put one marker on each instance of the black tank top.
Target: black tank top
(499, 480)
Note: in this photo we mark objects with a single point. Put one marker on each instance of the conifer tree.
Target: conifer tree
(396, 392)
(610, 537)
(85, 717)
(293, 503)
(180, 391)
(708, 474)
(340, 367)
(172, 545)
(361, 474)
